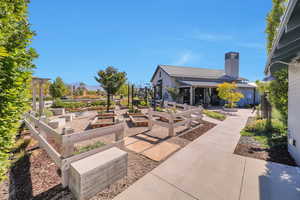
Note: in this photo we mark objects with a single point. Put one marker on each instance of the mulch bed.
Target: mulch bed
(36, 177)
(248, 147)
(194, 134)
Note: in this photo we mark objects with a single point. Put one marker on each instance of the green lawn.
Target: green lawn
(214, 115)
(267, 137)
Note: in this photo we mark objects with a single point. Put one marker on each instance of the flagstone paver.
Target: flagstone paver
(208, 169)
(161, 151)
(139, 146)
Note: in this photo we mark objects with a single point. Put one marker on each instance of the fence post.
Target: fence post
(171, 125)
(120, 135)
(150, 123)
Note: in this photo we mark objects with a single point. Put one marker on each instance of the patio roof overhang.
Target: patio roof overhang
(211, 84)
(286, 46)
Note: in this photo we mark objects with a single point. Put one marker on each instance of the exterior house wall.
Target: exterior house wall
(248, 96)
(293, 113)
(167, 82)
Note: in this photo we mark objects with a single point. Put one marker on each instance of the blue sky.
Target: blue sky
(76, 38)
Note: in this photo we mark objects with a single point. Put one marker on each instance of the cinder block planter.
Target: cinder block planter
(92, 174)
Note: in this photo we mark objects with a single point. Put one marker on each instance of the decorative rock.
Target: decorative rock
(92, 174)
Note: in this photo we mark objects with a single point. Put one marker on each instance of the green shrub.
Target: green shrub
(265, 135)
(143, 103)
(214, 115)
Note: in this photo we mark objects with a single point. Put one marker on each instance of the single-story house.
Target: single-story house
(286, 53)
(198, 86)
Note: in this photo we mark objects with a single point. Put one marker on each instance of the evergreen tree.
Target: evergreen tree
(58, 88)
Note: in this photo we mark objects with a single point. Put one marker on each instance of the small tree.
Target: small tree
(58, 88)
(111, 81)
(175, 93)
(228, 92)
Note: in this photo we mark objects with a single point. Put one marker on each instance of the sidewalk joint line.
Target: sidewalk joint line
(242, 182)
(174, 186)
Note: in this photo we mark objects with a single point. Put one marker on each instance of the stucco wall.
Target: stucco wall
(294, 112)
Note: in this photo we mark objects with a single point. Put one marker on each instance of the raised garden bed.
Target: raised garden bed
(99, 122)
(110, 113)
(143, 107)
(177, 119)
(139, 120)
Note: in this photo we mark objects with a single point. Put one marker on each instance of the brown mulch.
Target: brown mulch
(194, 134)
(36, 177)
(278, 154)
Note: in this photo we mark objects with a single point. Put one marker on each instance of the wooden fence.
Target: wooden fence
(173, 120)
(43, 133)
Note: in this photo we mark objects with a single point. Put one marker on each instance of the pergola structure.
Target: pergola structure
(36, 81)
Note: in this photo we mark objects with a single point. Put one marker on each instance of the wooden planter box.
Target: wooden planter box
(177, 119)
(124, 107)
(110, 113)
(102, 122)
(139, 120)
(134, 114)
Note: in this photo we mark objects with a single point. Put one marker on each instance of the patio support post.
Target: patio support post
(33, 96)
(41, 98)
(191, 95)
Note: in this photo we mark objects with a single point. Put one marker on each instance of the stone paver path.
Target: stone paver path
(161, 151)
(207, 169)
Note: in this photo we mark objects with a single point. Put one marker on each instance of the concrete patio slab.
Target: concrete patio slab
(129, 140)
(161, 151)
(267, 180)
(207, 176)
(139, 146)
(146, 189)
(208, 169)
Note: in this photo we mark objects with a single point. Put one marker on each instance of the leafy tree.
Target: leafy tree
(111, 81)
(58, 88)
(123, 90)
(175, 93)
(15, 72)
(273, 21)
(229, 93)
(278, 93)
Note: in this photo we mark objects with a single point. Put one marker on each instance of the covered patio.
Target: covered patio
(205, 93)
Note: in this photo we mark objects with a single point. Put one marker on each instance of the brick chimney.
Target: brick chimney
(232, 64)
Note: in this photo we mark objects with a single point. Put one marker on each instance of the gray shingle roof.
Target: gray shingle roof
(192, 72)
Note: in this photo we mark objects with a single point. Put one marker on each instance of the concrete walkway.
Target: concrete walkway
(207, 169)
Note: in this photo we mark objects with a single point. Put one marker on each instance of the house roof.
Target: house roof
(213, 84)
(193, 72)
(286, 45)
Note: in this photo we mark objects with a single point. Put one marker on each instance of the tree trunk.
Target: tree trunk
(108, 102)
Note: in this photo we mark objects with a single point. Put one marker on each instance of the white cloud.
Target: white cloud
(186, 57)
(210, 36)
